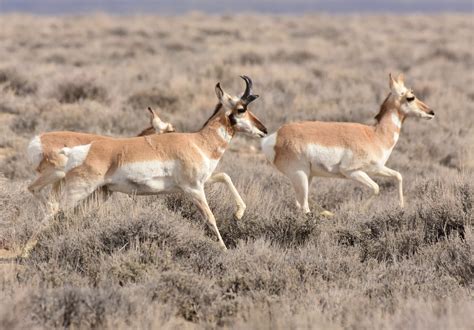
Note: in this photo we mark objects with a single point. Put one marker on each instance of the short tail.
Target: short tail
(65, 151)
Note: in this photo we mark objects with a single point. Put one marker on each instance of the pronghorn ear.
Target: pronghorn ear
(401, 79)
(154, 119)
(224, 98)
(395, 87)
(152, 113)
(219, 91)
(391, 82)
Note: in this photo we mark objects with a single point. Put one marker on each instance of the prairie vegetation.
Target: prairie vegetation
(144, 262)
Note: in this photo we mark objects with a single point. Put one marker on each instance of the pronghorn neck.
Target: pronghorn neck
(389, 121)
(217, 133)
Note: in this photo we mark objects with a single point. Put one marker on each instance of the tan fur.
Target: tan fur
(349, 150)
(50, 167)
(106, 156)
(164, 163)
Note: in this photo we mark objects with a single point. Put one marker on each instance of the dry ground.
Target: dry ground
(148, 262)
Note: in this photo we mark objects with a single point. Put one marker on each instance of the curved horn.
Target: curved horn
(248, 87)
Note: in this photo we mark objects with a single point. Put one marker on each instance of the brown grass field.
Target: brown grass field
(151, 262)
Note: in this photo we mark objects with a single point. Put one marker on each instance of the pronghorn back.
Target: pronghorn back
(44, 148)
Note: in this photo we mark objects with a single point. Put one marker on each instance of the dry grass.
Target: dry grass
(151, 262)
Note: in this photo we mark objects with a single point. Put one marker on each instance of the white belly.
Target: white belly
(144, 178)
(328, 161)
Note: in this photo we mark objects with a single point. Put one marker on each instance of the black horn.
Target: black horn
(248, 96)
(248, 87)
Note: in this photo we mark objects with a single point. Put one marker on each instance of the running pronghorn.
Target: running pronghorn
(174, 162)
(45, 156)
(345, 150)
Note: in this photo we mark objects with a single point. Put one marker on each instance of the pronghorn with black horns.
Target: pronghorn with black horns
(353, 151)
(174, 162)
(49, 163)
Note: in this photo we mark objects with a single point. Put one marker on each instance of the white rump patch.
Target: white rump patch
(75, 156)
(35, 151)
(268, 146)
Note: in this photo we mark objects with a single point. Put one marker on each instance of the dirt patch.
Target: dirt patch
(6, 254)
(6, 152)
(8, 265)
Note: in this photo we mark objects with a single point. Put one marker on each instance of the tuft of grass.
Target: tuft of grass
(76, 90)
(154, 98)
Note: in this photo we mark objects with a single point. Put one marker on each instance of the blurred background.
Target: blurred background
(147, 262)
(229, 6)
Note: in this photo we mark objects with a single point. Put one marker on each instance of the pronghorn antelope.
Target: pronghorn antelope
(45, 156)
(175, 162)
(353, 151)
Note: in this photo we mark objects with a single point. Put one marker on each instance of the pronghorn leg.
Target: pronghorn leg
(224, 178)
(74, 191)
(300, 181)
(322, 211)
(388, 172)
(363, 178)
(199, 198)
(53, 203)
(97, 198)
(44, 179)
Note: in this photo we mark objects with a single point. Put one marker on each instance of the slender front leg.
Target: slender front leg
(322, 211)
(199, 198)
(363, 178)
(300, 182)
(225, 178)
(388, 172)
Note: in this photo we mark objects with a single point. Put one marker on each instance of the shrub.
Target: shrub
(71, 91)
(12, 80)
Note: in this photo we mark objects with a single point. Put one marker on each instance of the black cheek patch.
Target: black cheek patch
(232, 119)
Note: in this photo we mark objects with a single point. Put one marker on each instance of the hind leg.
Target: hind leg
(48, 177)
(75, 190)
(53, 202)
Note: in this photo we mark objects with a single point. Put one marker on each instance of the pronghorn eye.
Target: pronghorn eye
(409, 99)
(241, 110)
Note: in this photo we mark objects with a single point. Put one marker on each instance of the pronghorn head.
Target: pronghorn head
(241, 119)
(410, 105)
(159, 125)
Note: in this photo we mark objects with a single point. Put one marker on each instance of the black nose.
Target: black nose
(264, 130)
(431, 113)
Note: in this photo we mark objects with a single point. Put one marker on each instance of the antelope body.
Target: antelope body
(162, 163)
(353, 151)
(45, 156)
